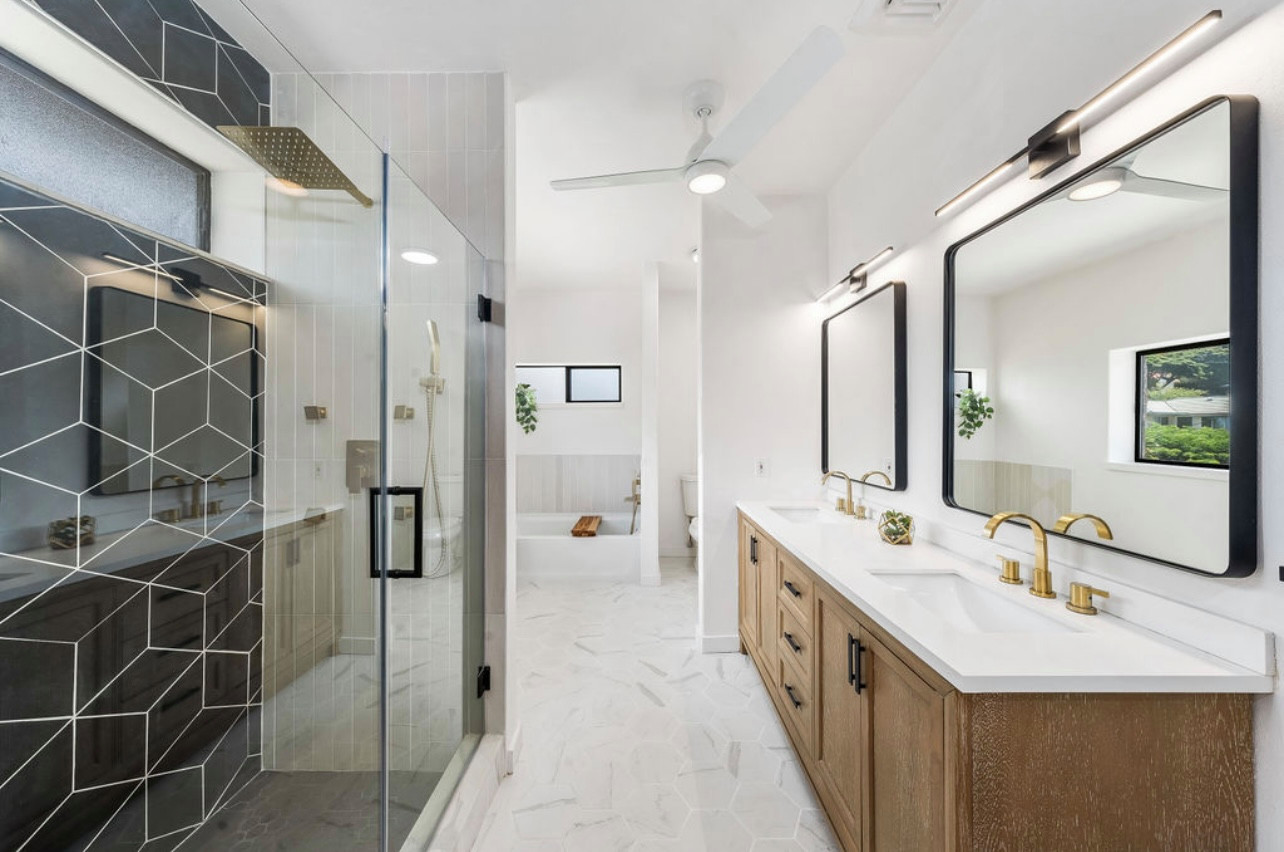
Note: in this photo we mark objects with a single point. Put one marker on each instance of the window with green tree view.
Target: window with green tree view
(1183, 409)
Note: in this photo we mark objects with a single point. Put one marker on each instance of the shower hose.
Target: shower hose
(442, 567)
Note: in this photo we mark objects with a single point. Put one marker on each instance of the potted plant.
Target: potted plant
(974, 410)
(896, 527)
(526, 408)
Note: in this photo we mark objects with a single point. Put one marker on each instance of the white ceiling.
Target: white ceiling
(599, 88)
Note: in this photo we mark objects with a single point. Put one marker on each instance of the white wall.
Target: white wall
(759, 382)
(979, 102)
(567, 326)
(679, 338)
(1177, 514)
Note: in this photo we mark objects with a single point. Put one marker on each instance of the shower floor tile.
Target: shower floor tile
(313, 812)
(634, 740)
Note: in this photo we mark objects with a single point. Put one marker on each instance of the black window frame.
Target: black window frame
(1139, 403)
(619, 384)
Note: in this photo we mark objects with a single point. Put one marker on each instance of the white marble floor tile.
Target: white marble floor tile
(634, 741)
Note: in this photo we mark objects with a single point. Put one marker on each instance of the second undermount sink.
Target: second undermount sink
(808, 514)
(969, 607)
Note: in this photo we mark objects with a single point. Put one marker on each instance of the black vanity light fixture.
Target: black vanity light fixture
(179, 278)
(1058, 143)
(856, 279)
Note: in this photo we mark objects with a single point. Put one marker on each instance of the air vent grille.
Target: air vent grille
(885, 15)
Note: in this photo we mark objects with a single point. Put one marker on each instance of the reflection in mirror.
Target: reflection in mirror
(1091, 368)
(863, 389)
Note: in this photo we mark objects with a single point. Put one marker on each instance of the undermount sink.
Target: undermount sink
(797, 515)
(968, 607)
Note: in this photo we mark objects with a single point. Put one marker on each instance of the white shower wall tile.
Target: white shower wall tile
(575, 483)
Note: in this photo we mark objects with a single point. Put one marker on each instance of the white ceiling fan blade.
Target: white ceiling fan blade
(621, 179)
(790, 84)
(738, 200)
(1171, 188)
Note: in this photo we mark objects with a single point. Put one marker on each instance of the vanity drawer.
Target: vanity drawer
(794, 642)
(796, 591)
(794, 692)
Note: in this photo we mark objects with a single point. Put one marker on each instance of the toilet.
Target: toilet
(691, 506)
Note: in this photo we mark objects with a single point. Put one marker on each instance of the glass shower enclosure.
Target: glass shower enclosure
(241, 513)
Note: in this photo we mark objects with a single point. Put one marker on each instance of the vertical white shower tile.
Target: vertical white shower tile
(457, 96)
(475, 124)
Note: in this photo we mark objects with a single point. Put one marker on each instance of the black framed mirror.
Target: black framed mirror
(863, 389)
(1101, 349)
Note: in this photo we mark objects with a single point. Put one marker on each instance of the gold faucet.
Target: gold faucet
(844, 505)
(1064, 523)
(161, 480)
(1042, 587)
(200, 490)
(865, 477)
(860, 509)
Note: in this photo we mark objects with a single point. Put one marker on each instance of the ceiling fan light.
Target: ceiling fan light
(706, 177)
(1105, 182)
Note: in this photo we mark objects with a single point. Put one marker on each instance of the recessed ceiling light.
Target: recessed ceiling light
(286, 187)
(1105, 182)
(706, 177)
(419, 256)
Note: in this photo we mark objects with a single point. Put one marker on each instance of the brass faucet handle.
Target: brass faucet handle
(1081, 598)
(1011, 571)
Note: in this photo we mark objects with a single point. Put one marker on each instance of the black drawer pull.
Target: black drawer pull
(794, 698)
(855, 677)
(753, 549)
(793, 643)
(793, 590)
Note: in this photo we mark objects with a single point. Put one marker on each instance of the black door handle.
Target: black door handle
(793, 590)
(855, 677)
(790, 691)
(793, 643)
(753, 549)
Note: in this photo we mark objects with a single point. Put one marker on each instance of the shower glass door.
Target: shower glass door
(434, 379)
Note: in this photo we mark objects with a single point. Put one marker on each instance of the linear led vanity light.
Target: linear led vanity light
(854, 281)
(1147, 65)
(141, 267)
(1058, 143)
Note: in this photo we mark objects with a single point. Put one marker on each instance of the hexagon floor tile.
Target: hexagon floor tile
(635, 741)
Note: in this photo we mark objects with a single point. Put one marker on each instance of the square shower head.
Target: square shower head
(289, 154)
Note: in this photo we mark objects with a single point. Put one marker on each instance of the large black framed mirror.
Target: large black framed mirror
(1101, 349)
(863, 389)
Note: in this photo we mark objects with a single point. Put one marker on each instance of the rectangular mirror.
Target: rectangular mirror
(862, 380)
(1101, 349)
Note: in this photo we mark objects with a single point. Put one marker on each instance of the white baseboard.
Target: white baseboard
(720, 644)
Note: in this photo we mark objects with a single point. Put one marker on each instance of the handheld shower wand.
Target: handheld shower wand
(434, 382)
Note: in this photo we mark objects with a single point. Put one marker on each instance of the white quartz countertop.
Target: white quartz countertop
(1050, 649)
(33, 571)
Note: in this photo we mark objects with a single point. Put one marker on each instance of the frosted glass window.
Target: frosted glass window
(593, 384)
(549, 383)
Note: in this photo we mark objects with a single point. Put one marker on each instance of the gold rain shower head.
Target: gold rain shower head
(288, 154)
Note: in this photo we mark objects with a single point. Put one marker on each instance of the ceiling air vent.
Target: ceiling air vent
(905, 15)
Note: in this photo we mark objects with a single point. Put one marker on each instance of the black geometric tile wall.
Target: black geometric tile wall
(176, 47)
(131, 378)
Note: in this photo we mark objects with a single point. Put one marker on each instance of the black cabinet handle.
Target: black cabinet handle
(753, 549)
(793, 643)
(793, 590)
(794, 698)
(855, 677)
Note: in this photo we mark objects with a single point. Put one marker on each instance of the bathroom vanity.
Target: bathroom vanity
(936, 708)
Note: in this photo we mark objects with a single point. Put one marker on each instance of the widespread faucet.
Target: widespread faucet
(860, 509)
(845, 505)
(1064, 523)
(200, 490)
(1042, 587)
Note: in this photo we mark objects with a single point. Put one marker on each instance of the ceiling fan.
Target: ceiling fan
(707, 170)
(1121, 177)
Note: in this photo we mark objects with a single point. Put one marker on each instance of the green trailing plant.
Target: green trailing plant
(527, 408)
(974, 410)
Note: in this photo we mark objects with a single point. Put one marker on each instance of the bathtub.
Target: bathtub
(546, 548)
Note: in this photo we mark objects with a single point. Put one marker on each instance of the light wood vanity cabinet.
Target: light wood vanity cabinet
(902, 761)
